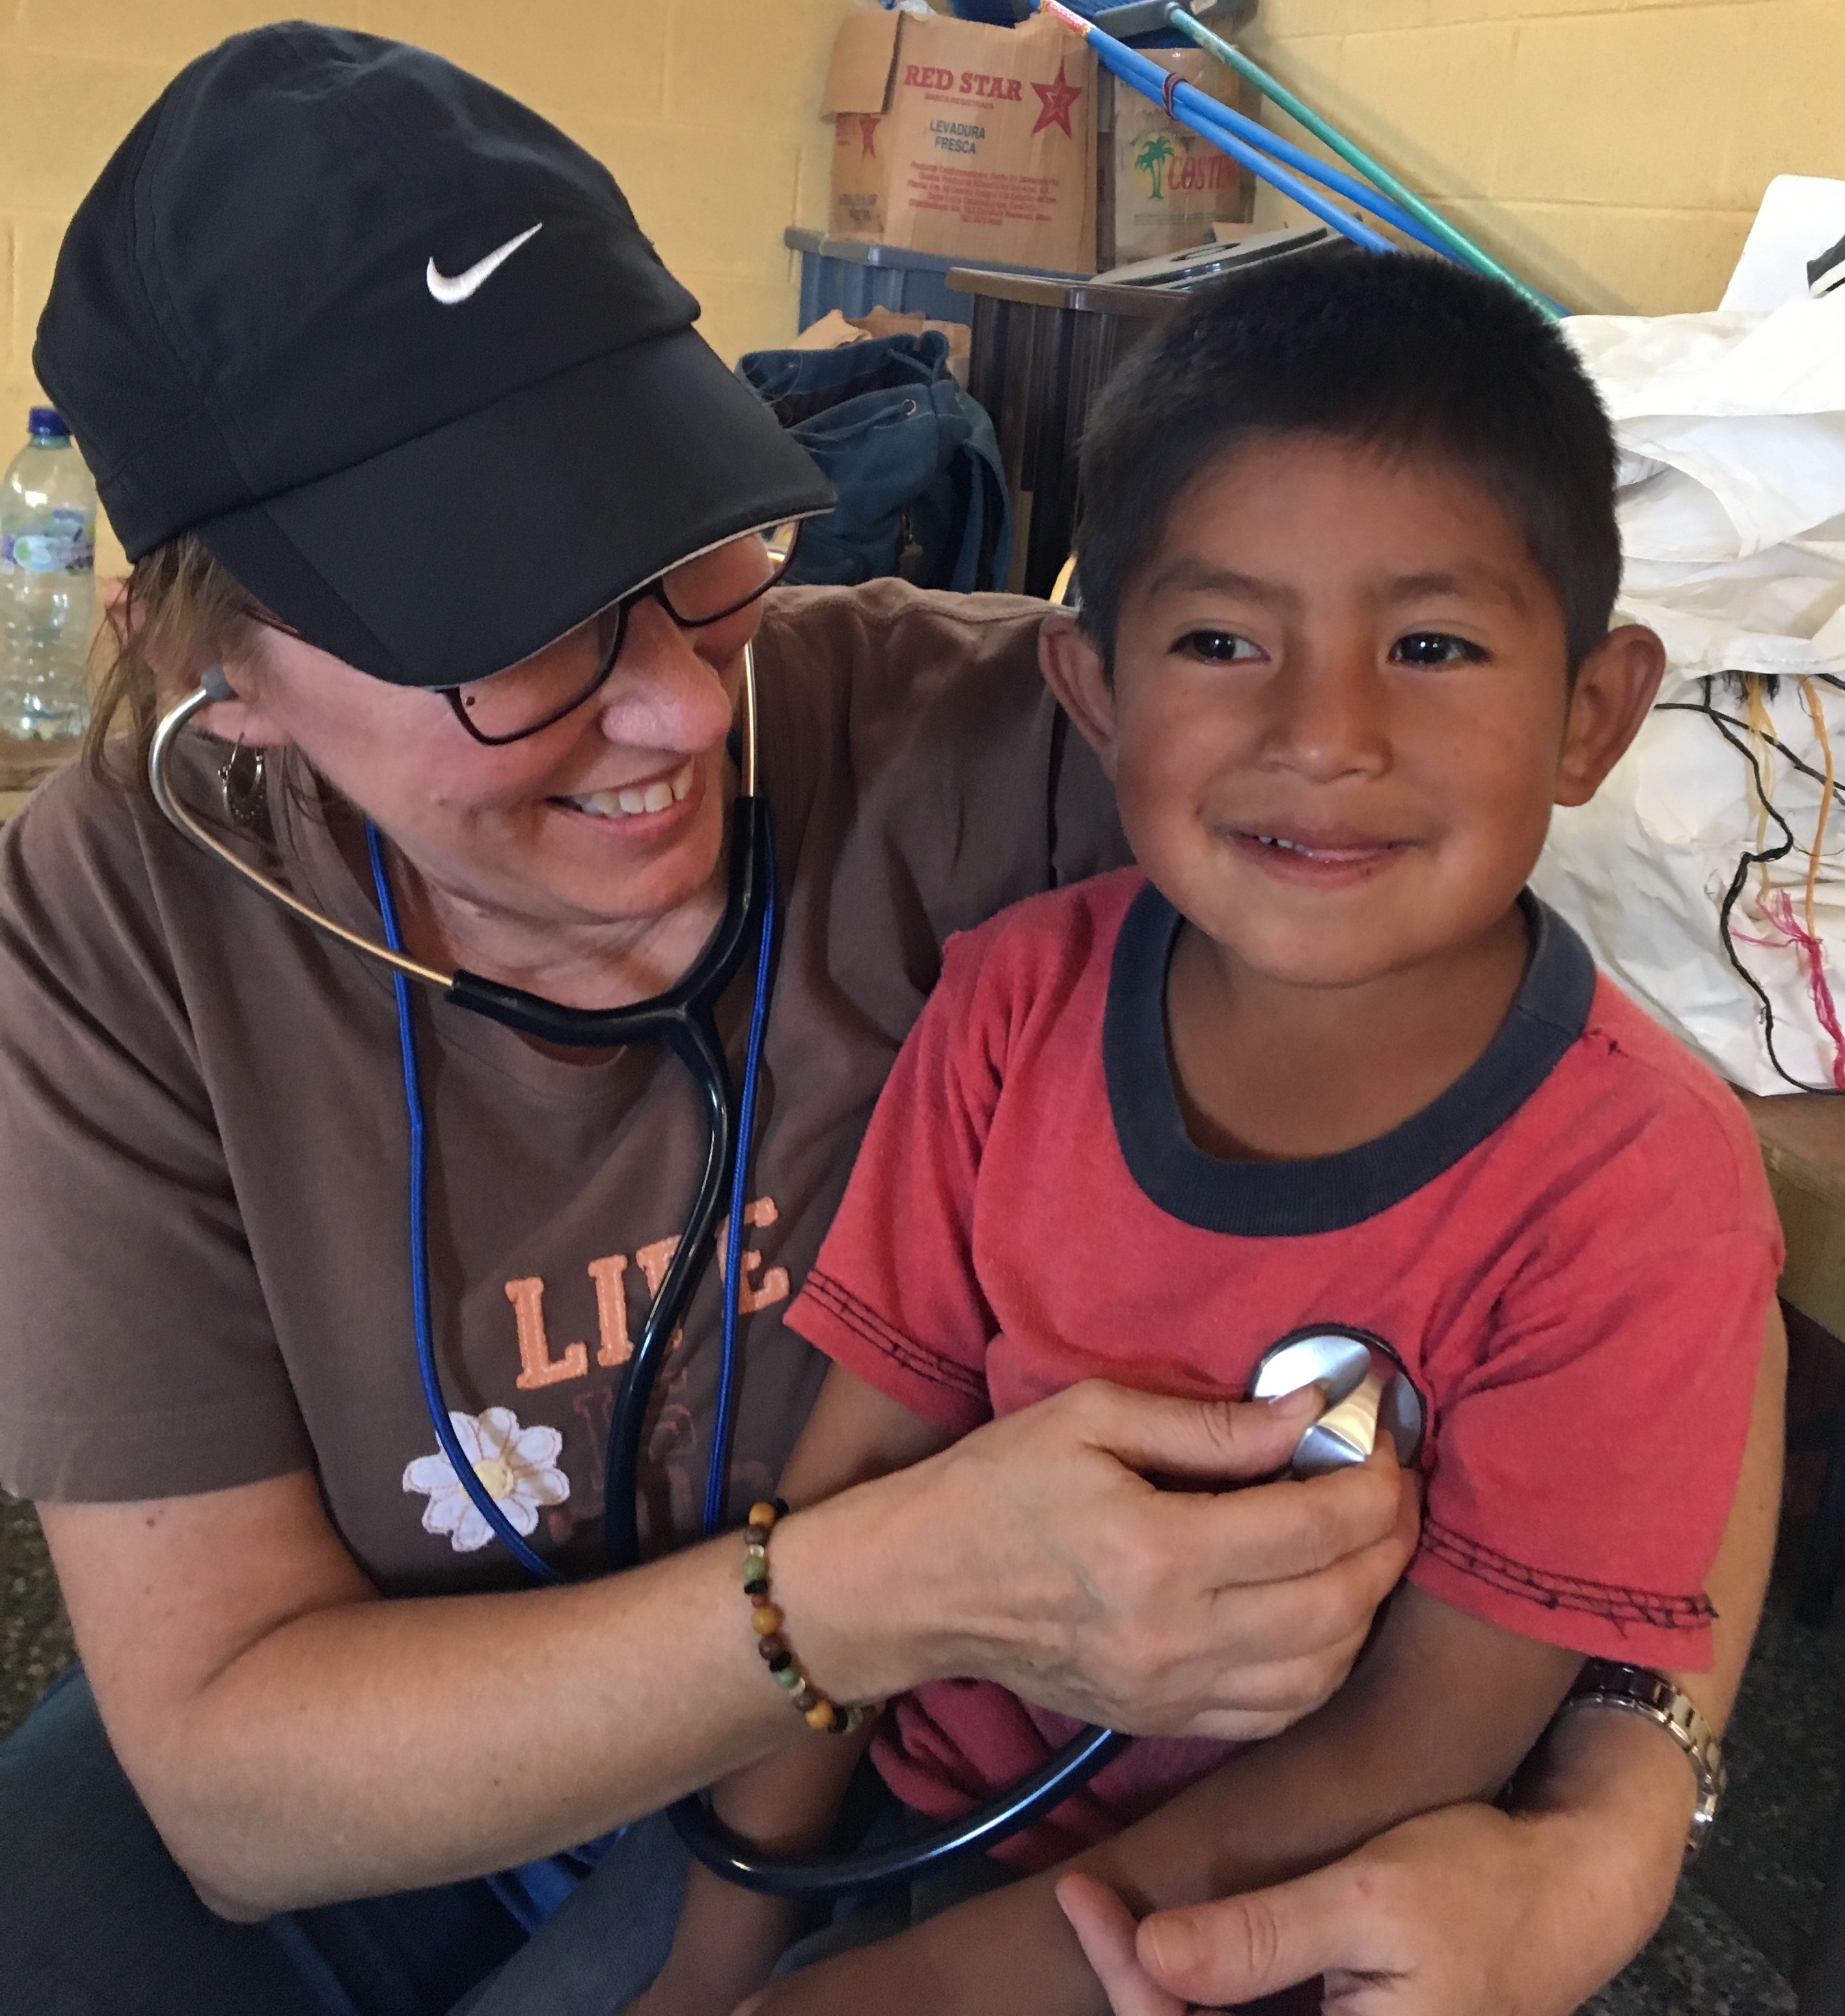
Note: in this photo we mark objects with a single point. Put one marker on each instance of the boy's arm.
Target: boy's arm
(728, 1938)
(1440, 1707)
(856, 1432)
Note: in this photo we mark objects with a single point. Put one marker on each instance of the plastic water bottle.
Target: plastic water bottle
(48, 582)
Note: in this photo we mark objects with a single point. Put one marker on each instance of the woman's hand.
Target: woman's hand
(1034, 1553)
(1466, 1912)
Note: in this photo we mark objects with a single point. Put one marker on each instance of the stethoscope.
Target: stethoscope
(1369, 1391)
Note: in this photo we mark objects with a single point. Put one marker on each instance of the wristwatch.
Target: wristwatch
(1603, 1683)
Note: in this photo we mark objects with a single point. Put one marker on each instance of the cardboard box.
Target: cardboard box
(973, 142)
(1163, 190)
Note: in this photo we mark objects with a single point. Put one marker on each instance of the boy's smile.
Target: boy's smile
(1340, 712)
(1320, 857)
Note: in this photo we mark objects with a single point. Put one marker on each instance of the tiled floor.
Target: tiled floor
(35, 1638)
(1735, 1933)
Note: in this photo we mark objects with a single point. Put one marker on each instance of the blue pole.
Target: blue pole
(1207, 110)
(1149, 79)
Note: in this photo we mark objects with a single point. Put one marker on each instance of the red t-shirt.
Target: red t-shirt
(1571, 1251)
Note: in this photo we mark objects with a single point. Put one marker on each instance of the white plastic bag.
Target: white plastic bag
(1643, 869)
(1732, 481)
(1731, 428)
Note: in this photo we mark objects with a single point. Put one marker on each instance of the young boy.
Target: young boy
(1348, 556)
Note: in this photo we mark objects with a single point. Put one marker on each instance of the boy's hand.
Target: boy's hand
(1105, 1928)
(727, 1941)
(673, 1994)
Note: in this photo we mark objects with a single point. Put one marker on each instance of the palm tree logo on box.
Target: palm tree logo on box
(1155, 151)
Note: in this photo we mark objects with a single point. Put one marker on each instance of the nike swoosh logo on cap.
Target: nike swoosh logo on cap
(449, 291)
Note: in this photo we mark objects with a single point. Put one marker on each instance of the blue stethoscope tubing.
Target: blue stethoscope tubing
(696, 1041)
(682, 1019)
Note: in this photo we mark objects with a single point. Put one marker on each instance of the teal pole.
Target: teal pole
(1373, 171)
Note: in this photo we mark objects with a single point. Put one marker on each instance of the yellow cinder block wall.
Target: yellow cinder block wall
(1616, 150)
(704, 110)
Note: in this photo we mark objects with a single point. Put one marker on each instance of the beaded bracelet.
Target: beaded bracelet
(766, 1619)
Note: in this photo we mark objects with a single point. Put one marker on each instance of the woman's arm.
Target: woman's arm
(1469, 1912)
(296, 1739)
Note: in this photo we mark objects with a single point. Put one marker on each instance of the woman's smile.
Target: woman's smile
(646, 800)
(628, 800)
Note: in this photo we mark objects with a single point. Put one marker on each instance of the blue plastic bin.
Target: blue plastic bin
(855, 276)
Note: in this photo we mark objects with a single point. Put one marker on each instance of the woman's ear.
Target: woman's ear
(1614, 687)
(241, 715)
(1074, 671)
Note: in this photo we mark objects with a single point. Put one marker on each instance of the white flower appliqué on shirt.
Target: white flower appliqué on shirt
(518, 1466)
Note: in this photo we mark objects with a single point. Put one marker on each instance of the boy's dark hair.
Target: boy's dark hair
(1403, 354)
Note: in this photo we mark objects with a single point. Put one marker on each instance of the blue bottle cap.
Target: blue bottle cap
(47, 420)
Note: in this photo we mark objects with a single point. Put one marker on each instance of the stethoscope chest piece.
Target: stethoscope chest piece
(1369, 1394)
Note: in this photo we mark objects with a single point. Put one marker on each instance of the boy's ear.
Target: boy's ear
(1073, 670)
(1615, 686)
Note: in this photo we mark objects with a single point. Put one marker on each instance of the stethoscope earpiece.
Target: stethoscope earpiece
(1368, 1394)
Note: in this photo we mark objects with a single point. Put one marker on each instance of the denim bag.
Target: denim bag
(914, 460)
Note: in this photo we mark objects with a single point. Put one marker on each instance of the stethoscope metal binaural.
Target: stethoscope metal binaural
(1368, 1390)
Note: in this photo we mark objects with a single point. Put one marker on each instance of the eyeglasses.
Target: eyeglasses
(508, 705)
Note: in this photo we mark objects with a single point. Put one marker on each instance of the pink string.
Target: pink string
(1778, 906)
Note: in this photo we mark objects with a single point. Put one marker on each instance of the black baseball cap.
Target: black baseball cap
(396, 350)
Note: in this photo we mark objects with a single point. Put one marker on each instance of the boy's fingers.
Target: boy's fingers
(1207, 1441)
(1241, 1948)
(1104, 1929)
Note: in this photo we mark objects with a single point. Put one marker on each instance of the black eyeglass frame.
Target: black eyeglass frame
(656, 591)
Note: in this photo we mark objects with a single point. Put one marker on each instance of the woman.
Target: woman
(409, 432)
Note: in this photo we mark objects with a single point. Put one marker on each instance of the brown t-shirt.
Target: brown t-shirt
(204, 1221)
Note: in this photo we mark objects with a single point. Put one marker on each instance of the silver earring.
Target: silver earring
(242, 780)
